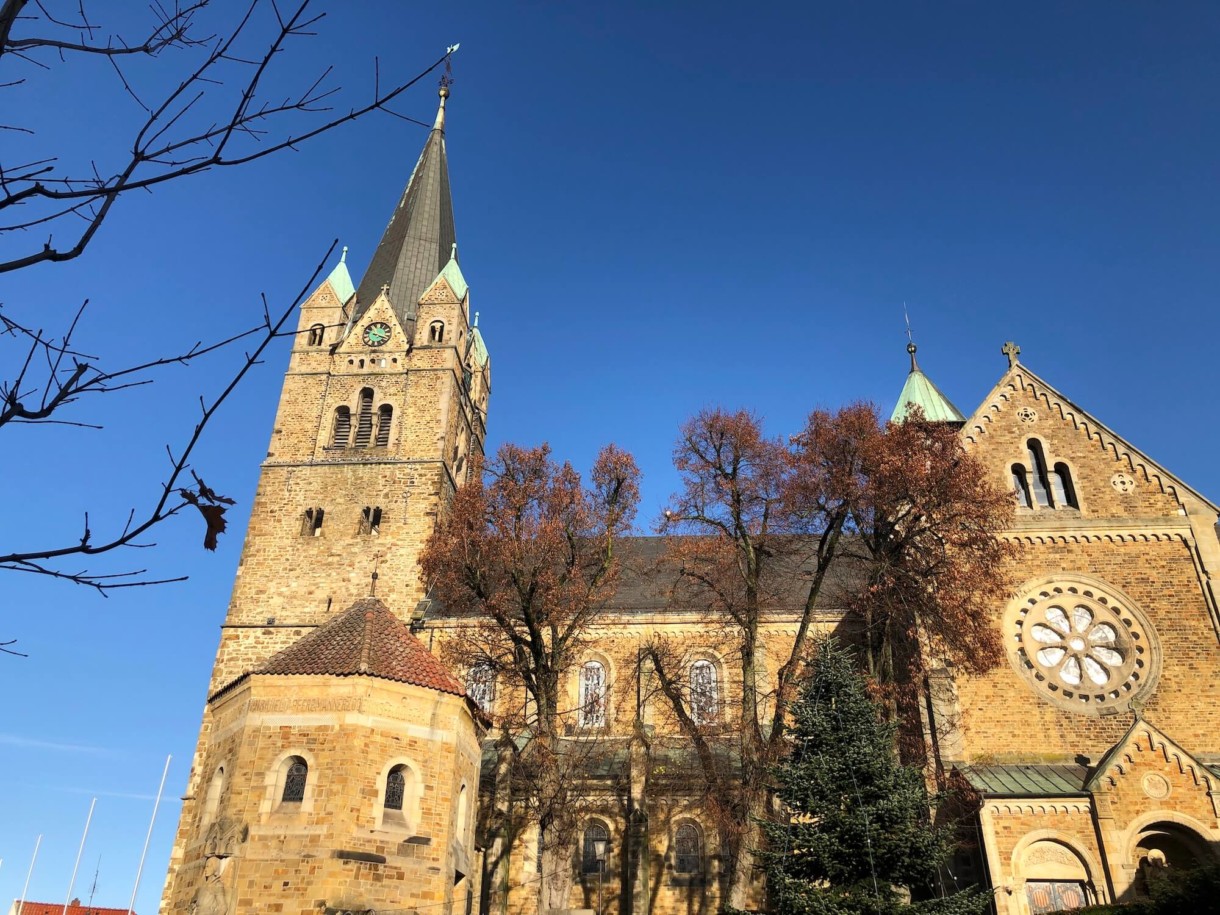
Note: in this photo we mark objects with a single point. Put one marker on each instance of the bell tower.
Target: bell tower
(383, 406)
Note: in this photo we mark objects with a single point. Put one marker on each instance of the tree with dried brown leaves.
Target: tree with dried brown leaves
(759, 530)
(527, 554)
(217, 113)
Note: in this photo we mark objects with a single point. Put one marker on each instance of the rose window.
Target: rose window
(1081, 647)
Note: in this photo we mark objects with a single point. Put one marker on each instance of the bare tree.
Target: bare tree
(526, 556)
(222, 110)
(756, 531)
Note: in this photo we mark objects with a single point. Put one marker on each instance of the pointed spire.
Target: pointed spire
(341, 280)
(420, 238)
(919, 391)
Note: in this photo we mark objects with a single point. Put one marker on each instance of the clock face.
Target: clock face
(376, 334)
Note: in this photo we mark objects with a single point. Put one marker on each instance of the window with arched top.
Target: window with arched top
(342, 429)
(211, 803)
(1040, 477)
(399, 806)
(481, 686)
(385, 416)
(592, 695)
(364, 419)
(317, 333)
(295, 777)
(1020, 485)
(688, 849)
(704, 692)
(1061, 486)
(436, 332)
(595, 849)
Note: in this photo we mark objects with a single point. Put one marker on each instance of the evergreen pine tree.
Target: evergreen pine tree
(859, 839)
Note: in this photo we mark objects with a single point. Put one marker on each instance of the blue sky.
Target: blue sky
(660, 208)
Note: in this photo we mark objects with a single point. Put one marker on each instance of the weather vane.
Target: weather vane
(447, 76)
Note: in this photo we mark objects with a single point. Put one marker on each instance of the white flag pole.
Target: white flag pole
(80, 851)
(28, 875)
(148, 838)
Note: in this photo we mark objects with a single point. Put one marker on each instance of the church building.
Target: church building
(342, 765)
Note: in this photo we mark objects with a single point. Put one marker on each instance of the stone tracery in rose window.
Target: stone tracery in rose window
(1082, 647)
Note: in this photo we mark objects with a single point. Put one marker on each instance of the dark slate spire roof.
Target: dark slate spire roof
(366, 640)
(420, 238)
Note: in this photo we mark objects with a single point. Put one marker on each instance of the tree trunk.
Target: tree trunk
(555, 888)
(745, 887)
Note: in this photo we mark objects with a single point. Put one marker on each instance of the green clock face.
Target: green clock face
(376, 334)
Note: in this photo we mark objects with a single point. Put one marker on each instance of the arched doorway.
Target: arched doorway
(1165, 849)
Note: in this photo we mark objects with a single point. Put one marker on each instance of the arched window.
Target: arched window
(1061, 486)
(436, 332)
(294, 780)
(395, 788)
(1020, 484)
(364, 420)
(211, 804)
(481, 686)
(688, 849)
(317, 334)
(597, 838)
(370, 520)
(1041, 480)
(592, 695)
(385, 415)
(343, 427)
(704, 692)
(311, 523)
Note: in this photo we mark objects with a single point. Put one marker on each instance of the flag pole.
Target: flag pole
(148, 838)
(80, 851)
(28, 875)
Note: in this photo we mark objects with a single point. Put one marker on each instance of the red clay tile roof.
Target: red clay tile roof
(74, 908)
(365, 640)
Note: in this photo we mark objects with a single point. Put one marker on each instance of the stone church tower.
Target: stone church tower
(338, 761)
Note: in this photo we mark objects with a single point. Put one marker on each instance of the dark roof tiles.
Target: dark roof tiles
(365, 640)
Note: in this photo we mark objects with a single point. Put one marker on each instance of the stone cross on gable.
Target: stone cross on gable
(385, 288)
(1012, 351)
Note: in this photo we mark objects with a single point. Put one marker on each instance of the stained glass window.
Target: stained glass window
(481, 686)
(395, 788)
(704, 692)
(294, 781)
(592, 695)
(688, 849)
(594, 832)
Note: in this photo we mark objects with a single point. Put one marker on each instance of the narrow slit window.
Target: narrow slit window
(364, 420)
(294, 781)
(343, 427)
(1061, 483)
(436, 332)
(1020, 485)
(311, 523)
(317, 334)
(385, 416)
(1041, 479)
(370, 520)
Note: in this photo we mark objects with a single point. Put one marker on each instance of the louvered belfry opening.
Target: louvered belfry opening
(343, 427)
(385, 415)
(364, 420)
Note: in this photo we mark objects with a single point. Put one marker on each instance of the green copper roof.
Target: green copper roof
(340, 280)
(453, 276)
(1027, 781)
(921, 392)
(478, 347)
